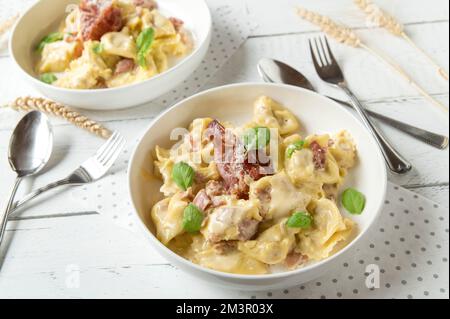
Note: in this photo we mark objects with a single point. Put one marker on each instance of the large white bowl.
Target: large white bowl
(234, 103)
(45, 16)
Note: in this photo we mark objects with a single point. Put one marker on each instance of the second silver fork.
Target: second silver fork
(91, 170)
(329, 71)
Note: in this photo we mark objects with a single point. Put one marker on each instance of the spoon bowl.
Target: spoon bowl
(29, 151)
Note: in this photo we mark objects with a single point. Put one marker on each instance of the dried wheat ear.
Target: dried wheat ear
(349, 37)
(46, 106)
(6, 25)
(382, 19)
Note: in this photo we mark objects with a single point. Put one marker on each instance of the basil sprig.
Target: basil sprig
(297, 146)
(48, 78)
(183, 175)
(353, 201)
(300, 220)
(144, 43)
(192, 219)
(256, 138)
(52, 37)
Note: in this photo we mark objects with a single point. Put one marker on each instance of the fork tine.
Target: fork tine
(105, 148)
(330, 53)
(115, 154)
(106, 145)
(111, 150)
(321, 52)
(313, 55)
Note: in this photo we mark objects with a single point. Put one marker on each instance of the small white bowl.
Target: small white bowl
(46, 15)
(234, 103)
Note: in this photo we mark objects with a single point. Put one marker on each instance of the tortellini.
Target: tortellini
(136, 42)
(272, 246)
(118, 43)
(167, 216)
(329, 229)
(269, 113)
(286, 217)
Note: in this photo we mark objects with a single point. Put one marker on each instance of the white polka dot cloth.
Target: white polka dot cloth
(408, 246)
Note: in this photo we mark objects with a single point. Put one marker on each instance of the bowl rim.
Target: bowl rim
(199, 46)
(160, 246)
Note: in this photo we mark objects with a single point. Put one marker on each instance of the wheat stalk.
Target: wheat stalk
(347, 36)
(384, 20)
(50, 107)
(4, 26)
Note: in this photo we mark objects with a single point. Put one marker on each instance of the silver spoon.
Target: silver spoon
(29, 151)
(278, 72)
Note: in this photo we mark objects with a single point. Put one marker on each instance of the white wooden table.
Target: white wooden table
(62, 247)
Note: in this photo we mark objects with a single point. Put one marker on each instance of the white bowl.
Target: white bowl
(45, 16)
(234, 103)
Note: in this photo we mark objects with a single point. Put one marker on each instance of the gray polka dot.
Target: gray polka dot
(426, 293)
(335, 280)
(404, 282)
(339, 295)
(285, 291)
(392, 255)
(388, 285)
(318, 284)
(435, 276)
(345, 265)
(350, 277)
(323, 297)
(269, 294)
(398, 268)
(410, 297)
(414, 265)
(355, 291)
(361, 262)
(372, 246)
(406, 211)
(442, 290)
(387, 242)
(419, 279)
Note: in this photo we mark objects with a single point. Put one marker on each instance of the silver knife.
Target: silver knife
(278, 72)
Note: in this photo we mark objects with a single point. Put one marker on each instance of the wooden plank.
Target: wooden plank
(279, 17)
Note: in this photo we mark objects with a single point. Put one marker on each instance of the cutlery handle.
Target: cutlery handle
(37, 193)
(396, 163)
(433, 139)
(5, 214)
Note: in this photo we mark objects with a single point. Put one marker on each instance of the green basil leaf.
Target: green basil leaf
(353, 201)
(300, 220)
(183, 175)
(192, 219)
(97, 48)
(256, 138)
(144, 43)
(52, 37)
(48, 78)
(292, 148)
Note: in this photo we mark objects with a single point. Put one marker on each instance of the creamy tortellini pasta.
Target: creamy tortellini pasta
(111, 43)
(252, 199)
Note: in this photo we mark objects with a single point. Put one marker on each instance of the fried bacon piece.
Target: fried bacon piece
(232, 161)
(320, 155)
(99, 17)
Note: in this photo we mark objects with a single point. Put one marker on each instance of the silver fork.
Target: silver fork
(329, 71)
(91, 170)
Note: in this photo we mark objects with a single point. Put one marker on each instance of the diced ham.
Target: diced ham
(264, 196)
(177, 23)
(147, 4)
(202, 200)
(320, 155)
(99, 17)
(124, 65)
(293, 260)
(215, 188)
(232, 161)
(247, 229)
